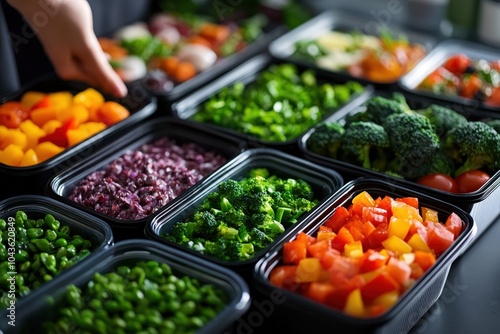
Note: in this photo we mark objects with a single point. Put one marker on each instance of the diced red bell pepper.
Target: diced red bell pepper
(338, 219)
(371, 260)
(439, 237)
(380, 284)
(343, 237)
(374, 215)
(60, 136)
(294, 251)
(284, 277)
(454, 224)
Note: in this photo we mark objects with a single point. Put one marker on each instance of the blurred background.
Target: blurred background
(22, 58)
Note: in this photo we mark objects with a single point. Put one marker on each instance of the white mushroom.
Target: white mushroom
(133, 31)
(132, 68)
(169, 35)
(201, 56)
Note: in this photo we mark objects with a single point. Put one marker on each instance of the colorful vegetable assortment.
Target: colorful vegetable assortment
(142, 180)
(44, 247)
(41, 125)
(278, 106)
(243, 217)
(176, 47)
(462, 76)
(434, 146)
(367, 254)
(146, 297)
(384, 58)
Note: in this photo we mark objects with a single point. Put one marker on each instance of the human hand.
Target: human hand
(70, 42)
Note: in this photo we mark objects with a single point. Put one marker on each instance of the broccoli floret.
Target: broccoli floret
(363, 141)
(238, 251)
(474, 145)
(206, 224)
(442, 119)
(256, 184)
(440, 163)
(412, 137)
(267, 224)
(299, 207)
(326, 139)
(380, 108)
(182, 232)
(227, 232)
(234, 217)
(495, 124)
(259, 202)
(229, 189)
(399, 97)
(260, 240)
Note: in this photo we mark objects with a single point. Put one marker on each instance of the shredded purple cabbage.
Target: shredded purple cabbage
(145, 179)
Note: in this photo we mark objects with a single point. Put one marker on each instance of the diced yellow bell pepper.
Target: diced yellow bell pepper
(60, 100)
(51, 126)
(418, 243)
(11, 155)
(326, 236)
(47, 150)
(90, 99)
(32, 131)
(403, 210)
(353, 249)
(354, 304)
(30, 98)
(308, 270)
(13, 136)
(387, 299)
(364, 198)
(398, 227)
(79, 112)
(430, 215)
(397, 245)
(29, 158)
(40, 116)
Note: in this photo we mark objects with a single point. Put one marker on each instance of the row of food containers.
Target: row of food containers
(156, 167)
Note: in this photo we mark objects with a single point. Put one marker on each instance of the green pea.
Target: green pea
(3, 224)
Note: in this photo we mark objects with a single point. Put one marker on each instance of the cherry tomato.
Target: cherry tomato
(457, 64)
(12, 114)
(439, 181)
(471, 181)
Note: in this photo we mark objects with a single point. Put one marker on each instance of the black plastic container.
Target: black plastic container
(304, 314)
(437, 57)
(337, 20)
(247, 73)
(324, 183)
(32, 179)
(30, 317)
(81, 223)
(483, 203)
(62, 185)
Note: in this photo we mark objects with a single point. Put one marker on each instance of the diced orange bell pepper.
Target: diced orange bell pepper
(454, 224)
(111, 112)
(40, 116)
(30, 98)
(364, 198)
(32, 131)
(294, 251)
(15, 137)
(424, 259)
